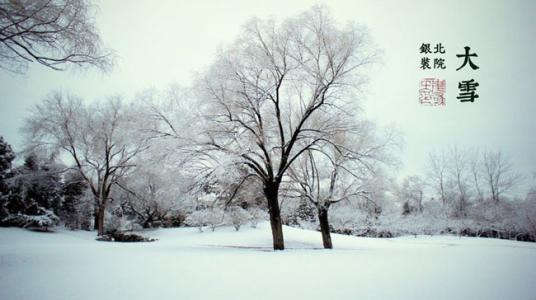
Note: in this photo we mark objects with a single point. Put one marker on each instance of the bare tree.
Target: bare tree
(411, 193)
(147, 199)
(154, 191)
(264, 93)
(53, 33)
(499, 174)
(438, 175)
(100, 139)
(329, 175)
(476, 172)
(449, 173)
(311, 181)
(458, 173)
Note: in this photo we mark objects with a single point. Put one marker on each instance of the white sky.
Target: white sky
(159, 42)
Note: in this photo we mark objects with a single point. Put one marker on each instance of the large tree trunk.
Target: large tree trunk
(271, 192)
(100, 219)
(100, 215)
(324, 227)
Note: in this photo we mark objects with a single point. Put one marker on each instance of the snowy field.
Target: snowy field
(186, 264)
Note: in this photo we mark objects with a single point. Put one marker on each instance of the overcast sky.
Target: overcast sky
(159, 42)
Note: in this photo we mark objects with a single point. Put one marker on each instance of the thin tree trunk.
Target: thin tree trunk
(324, 227)
(271, 193)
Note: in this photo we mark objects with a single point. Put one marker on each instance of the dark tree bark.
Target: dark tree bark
(324, 227)
(271, 192)
(100, 214)
(100, 219)
(96, 218)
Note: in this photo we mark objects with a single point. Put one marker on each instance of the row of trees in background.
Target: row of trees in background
(472, 189)
(43, 192)
(458, 177)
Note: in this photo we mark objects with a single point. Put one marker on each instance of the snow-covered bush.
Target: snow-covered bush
(35, 185)
(36, 222)
(116, 221)
(118, 236)
(526, 212)
(257, 215)
(212, 217)
(238, 216)
(197, 219)
(299, 213)
(346, 220)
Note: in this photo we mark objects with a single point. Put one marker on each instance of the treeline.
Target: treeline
(465, 192)
(43, 193)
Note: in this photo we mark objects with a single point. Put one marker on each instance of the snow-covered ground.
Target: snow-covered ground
(186, 264)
